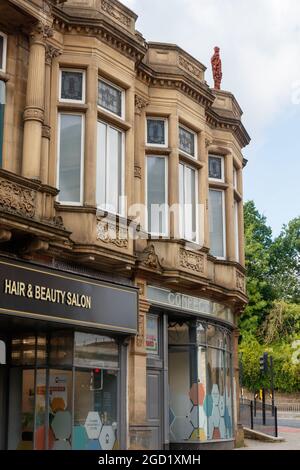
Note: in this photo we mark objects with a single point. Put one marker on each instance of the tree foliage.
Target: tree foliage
(271, 321)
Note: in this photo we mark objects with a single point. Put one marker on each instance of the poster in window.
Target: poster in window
(152, 335)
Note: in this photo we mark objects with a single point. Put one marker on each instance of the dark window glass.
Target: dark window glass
(215, 168)
(71, 85)
(187, 141)
(156, 131)
(110, 98)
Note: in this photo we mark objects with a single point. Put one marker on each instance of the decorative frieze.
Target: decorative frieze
(17, 199)
(189, 67)
(140, 339)
(33, 114)
(240, 281)
(190, 260)
(111, 233)
(115, 13)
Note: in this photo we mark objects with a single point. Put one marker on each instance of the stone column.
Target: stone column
(51, 53)
(139, 153)
(34, 109)
(137, 383)
(203, 189)
(229, 209)
(90, 154)
(173, 183)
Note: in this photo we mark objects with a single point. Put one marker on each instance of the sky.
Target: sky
(260, 51)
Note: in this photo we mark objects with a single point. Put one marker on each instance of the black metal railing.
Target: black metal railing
(261, 418)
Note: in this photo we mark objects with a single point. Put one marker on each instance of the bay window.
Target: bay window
(70, 156)
(157, 195)
(110, 169)
(217, 223)
(188, 202)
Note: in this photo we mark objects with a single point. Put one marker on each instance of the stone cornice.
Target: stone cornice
(132, 45)
(195, 89)
(215, 120)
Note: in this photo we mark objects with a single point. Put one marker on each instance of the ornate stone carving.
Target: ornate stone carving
(149, 258)
(33, 114)
(40, 33)
(140, 103)
(137, 171)
(140, 339)
(46, 131)
(113, 234)
(115, 13)
(189, 67)
(51, 53)
(208, 142)
(216, 64)
(17, 199)
(240, 281)
(190, 260)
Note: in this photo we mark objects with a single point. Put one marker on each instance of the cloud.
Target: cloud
(259, 40)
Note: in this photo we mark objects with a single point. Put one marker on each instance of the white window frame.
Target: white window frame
(224, 223)
(122, 211)
(166, 123)
(181, 211)
(113, 85)
(154, 234)
(222, 179)
(64, 100)
(236, 231)
(194, 157)
(4, 57)
(72, 203)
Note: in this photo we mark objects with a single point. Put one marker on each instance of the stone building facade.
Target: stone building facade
(118, 323)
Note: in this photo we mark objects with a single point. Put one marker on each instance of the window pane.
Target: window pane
(61, 348)
(156, 131)
(215, 168)
(156, 194)
(234, 178)
(216, 223)
(236, 230)
(95, 410)
(71, 85)
(114, 169)
(70, 157)
(96, 351)
(60, 409)
(101, 165)
(181, 200)
(190, 204)
(152, 335)
(110, 98)
(187, 141)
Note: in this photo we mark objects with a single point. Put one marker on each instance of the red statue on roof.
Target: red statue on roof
(216, 64)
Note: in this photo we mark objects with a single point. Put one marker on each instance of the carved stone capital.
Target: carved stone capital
(208, 142)
(140, 104)
(40, 33)
(46, 132)
(51, 53)
(33, 114)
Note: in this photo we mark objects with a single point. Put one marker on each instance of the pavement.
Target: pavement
(290, 434)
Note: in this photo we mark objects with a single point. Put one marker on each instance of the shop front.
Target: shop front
(63, 359)
(190, 347)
